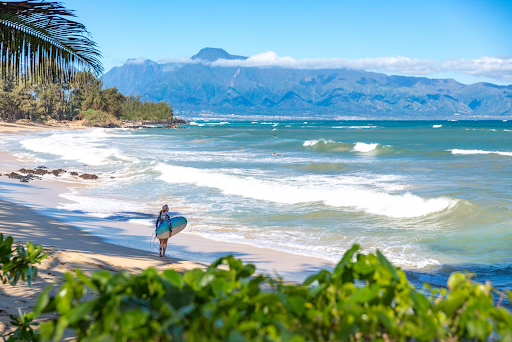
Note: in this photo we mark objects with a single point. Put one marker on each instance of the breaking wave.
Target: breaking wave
(457, 151)
(295, 192)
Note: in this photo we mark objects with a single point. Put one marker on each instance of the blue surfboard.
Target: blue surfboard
(178, 224)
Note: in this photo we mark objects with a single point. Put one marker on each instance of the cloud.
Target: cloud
(493, 67)
(499, 68)
(181, 60)
(271, 59)
(140, 60)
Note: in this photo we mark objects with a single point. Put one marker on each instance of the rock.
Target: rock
(41, 167)
(34, 172)
(40, 172)
(88, 176)
(57, 172)
(14, 175)
(74, 173)
(24, 179)
(23, 170)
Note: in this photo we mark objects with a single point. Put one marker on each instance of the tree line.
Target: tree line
(78, 97)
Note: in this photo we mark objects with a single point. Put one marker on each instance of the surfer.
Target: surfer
(162, 217)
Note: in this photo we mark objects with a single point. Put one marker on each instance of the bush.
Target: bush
(97, 118)
(17, 263)
(364, 298)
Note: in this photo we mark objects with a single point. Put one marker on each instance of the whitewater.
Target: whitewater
(433, 196)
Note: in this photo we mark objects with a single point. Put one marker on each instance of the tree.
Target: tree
(38, 39)
(15, 100)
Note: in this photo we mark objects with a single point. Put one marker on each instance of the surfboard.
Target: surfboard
(178, 224)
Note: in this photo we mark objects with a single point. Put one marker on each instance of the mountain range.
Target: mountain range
(196, 86)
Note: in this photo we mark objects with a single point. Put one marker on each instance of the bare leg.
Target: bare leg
(165, 245)
(161, 245)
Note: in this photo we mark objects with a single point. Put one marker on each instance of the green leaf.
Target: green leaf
(206, 279)
(384, 261)
(345, 260)
(42, 301)
(235, 336)
(62, 324)
(192, 277)
(47, 328)
(455, 280)
(297, 304)
(134, 318)
(81, 311)
(174, 278)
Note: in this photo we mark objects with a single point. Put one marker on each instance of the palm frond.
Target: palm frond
(39, 40)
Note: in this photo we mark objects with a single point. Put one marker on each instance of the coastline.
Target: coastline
(42, 197)
(29, 212)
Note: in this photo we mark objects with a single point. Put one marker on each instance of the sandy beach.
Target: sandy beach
(29, 212)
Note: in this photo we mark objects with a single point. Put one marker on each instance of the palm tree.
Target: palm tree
(39, 40)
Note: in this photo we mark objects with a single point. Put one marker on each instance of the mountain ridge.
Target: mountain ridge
(199, 86)
(213, 54)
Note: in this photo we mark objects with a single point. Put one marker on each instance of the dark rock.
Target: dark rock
(40, 172)
(24, 179)
(23, 170)
(41, 167)
(57, 172)
(14, 175)
(88, 176)
(73, 173)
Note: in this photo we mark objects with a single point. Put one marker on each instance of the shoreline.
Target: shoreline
(73, 239)
(43, 197)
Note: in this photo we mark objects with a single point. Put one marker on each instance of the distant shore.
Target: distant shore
(25, 125)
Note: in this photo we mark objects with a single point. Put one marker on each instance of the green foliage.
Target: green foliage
(41, 39)
(97, 118)
(53, 99)
(364, 298)
(134, 109)
(19, 265)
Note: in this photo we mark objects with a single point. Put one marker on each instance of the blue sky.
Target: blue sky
(423, 31)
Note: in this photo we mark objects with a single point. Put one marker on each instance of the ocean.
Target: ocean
(434, 197)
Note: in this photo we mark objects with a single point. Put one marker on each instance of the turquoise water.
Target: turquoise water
(433, 196)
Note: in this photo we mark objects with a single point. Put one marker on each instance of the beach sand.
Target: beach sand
(6, 127)
(29, 212)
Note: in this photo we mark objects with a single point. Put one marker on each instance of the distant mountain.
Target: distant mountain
(275, 90)
(212, 54)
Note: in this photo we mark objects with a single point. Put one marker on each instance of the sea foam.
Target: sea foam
(457, 151)
(363, 147)
(89, 148)
(352, 197)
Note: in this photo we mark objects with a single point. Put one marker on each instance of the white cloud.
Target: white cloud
(140, 60)
(181, 60)
(499, 68)
(397, 64)
(493, 67)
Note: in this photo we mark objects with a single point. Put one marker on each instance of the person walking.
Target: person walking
(162, 217)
